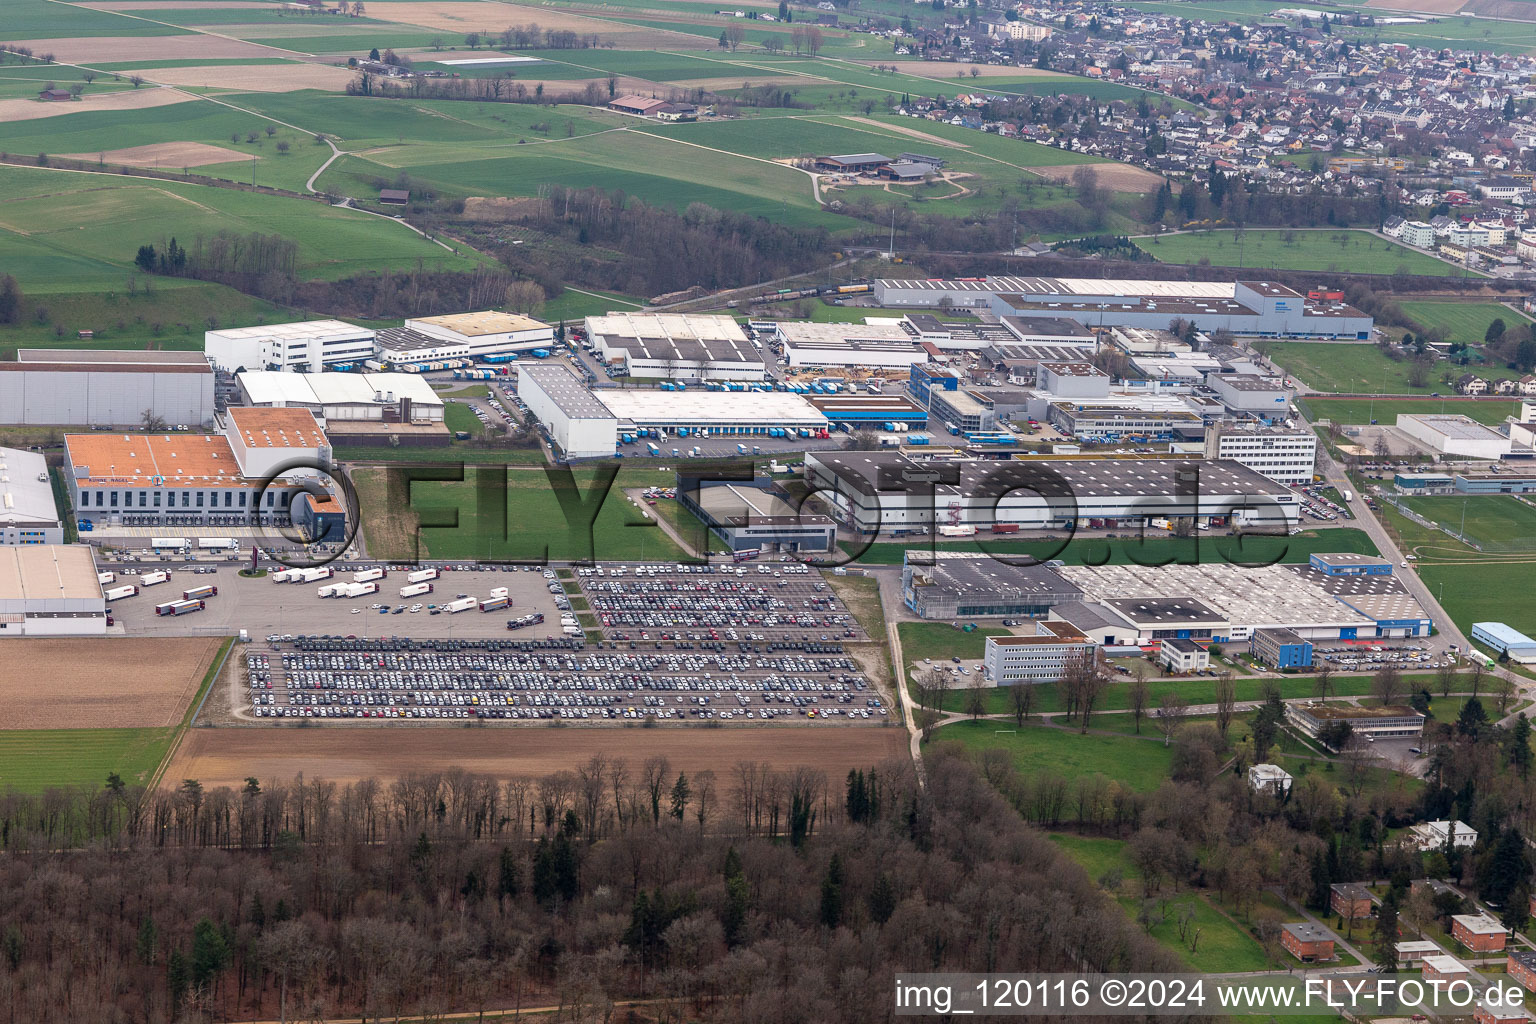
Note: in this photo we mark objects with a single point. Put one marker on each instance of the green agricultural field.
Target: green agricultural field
(496, 513)
(84, 234)
(1466, 322)
(1152, 550)
(1359, 252)
(32, 760)
(1363, 369)
(1386, 410)
(39, 19)
(1496, 522)
(1141, 764)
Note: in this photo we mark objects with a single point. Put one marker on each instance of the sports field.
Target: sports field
(1496, 522)
(1386, 410)
(1466, 322)
(1484, 590)
(497, 513)
(1359, 252)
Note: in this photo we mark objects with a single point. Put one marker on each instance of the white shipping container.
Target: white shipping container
(322, 572)
(149, 579)
(117, 593)
(284, 576)
(463, 604)
(415, 588)
(168, 542)
(421, 576)
(359, 589)
(498, 591)
(364, 575)
(957, 531)
(216, 543)
(106, 577)
(332, 590)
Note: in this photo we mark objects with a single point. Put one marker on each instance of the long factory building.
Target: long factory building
(886, 491)
(99, 388)
(1140, 606)
(674, 346)
(1250, 308)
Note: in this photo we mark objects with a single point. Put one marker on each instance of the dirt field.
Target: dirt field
(256, 77)
(164, 154)
(1511, 10)
(1120, 177)
(114, 48)
(136, 99)
(913, 133)
(472, 16)
(225, 757)
(946, 69)
(496, 209)
(100, 682)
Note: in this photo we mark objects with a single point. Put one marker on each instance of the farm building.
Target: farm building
(853, 163)
(486, 333)
(755, 516)
(947, 584)
(1256, 308)
(394, 196)
(392, 397)
(579, 425)
(310, 345)
(28, 512)
(880, 345)
(50, 590)
(1454, 435)
(675, 346)
(641, 106)
(101, 388)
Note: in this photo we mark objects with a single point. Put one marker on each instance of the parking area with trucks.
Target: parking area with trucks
(744, 601)
(523, 679)
(371, 607)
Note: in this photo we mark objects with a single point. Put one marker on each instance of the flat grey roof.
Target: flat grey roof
(1349, 586)
(1280, 636)
(1164, 611)
(1047, 327)
(87, 355)
(972, 574)
(566, 390)
(1248, 382)
(1456, 428)
(740, 505)
(404, 339)
(24, 499)
(1182, 645)
(1011, 352)
(1344, 558)
(674, 337)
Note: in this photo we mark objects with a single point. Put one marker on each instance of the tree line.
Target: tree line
(706, 921)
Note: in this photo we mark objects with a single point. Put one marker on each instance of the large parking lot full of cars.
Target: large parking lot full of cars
(557, 678)
(752, 602)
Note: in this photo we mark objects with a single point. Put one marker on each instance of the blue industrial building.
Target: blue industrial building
(1424, 483)
(1495, 483)
(923, 378)
(1506, 640)
(1282, 648)
(1348, 563)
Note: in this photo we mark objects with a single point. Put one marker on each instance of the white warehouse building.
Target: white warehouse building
(100, 388)
(580, 426)
(485, 333)
(874, 345)
(28, 512)
(675, 346)
(1455, 435)
(310, 345)
(401, 397)
(50, 590)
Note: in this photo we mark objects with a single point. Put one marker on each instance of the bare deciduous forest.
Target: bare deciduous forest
(615, 891)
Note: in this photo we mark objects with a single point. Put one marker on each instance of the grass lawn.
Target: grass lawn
(1222, 944)
(1358, 251)
(1497, 522)
(1141, 764)
(1466, 322)
(1483, 591)
(1096, 855)
(573, 305)
(457, 416)
(1152, 550)
(1353, 369)
(1386, 410)
(74, 232)
(501, 514)
(32, 760)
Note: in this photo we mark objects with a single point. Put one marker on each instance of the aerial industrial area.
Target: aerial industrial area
(815, 511)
